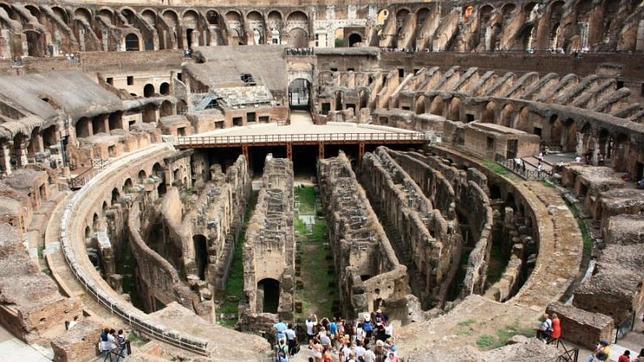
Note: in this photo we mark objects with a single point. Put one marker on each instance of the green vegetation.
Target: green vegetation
(306, 197)
(339, 43)
(235, 283)
(498, 263)
(585, 232)
(135, 339)
(317, 293)
(487, 341)
(495, 167)
(548, 183)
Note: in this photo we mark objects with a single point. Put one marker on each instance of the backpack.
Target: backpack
(367, 327)
(281, 354)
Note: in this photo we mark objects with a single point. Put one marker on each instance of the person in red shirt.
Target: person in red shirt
(626, 357)
(556, 327)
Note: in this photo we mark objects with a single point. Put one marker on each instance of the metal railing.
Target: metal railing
(158, 332)
(300, 138)
(569, 354)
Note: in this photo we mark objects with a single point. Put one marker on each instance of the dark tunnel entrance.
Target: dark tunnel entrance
(269, 291)
(201, 254)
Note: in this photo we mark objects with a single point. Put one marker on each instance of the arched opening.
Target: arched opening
(132, 43)
(181, 107)
(420, 105)
(298, 38)
(142, 176)
(116, 120)
(148, 90)
(149, 114)
(50, 136)
(269, 291)
(165, 109)
(488, 113)
(127, 185)
(164, 89)
(495, 192)
(454, 113)
(116, 195)
(83, 127)
(354, 39)
(299, 94)
(201, 254)
(95, 222)
(437, 106)
(35, 44)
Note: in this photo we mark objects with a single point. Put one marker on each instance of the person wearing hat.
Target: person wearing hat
(601, 353)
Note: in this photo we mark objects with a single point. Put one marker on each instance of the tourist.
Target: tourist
(311, 322)
(345, 349)
(104, 345)
(327, 356)
(369, 356)
(601, 352)
(124, 344)
(391, 357)
(291, 337)
(282, 351)
(316, 349)
(324, 339)
(545, 330)
(280, 327)
(360, 334)
(626, 357)
(333, 329)
(389, 330)
(359, 350)
(556, 327)
(367, 326)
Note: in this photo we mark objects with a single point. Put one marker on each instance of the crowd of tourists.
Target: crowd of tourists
(370, 338)
(114, 345)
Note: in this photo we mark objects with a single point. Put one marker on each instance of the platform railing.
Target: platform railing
(300, 138)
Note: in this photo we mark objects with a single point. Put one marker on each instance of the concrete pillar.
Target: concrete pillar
(5, 158)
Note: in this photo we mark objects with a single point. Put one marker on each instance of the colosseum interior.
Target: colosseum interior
(194, 171)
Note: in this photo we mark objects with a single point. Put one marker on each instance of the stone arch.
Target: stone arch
(36, 46)
(182, 107)
(34, 142)
(298, 38)
(269, 290)
(148, 90)
(522, 121)
(83, 14)
(104, 207)
(200, 244)
(437, 106)
(213, 17)
(489, 113)
(454, 112)
(569, 135)
(171, 17)
(149, 114)
(164, 88)
(95, 222)
(116, 196)
(505, 117)
(150, 16)
(297, 15)
(83, 127)
(382, 16)
(34, 11)
(61, 13)
(127, 184)
(355, 38)
(132, 43)
(419, 107)
(166, 109)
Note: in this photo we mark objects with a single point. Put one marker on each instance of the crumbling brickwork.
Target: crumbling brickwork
(269, 250)
(369, 273)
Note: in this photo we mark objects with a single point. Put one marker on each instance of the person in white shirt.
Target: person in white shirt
(291, 339)
(311, 322)
(359, 350)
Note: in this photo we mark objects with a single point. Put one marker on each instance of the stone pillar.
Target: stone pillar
(5, 158)
(20, 152)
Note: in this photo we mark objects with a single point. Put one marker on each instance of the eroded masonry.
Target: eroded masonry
(195, 172)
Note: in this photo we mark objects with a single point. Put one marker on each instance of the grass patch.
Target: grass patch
(135, 339)
(466, 323)
(485, 341)
(307, 199)
(316, 266)
(497, 265)
(585, 232)
(495, 167)
(547, 183)
(235, 283)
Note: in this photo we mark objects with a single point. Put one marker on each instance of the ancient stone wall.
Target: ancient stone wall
(581, 327)
(269, 250)
(370, 274)
(427, 243)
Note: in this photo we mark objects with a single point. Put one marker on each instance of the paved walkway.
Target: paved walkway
(13, 349)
